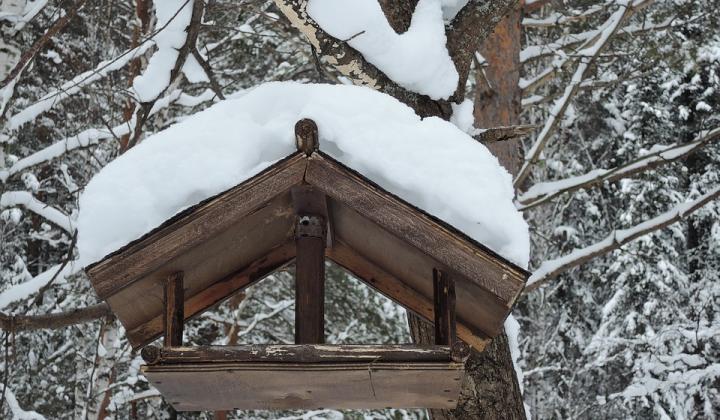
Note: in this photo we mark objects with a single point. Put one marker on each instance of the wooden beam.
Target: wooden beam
(310, 280)
(174, 310)
(396, 290)
(444, 296)
(216, 293)
(193, 226)
(447, 245)
(298, 353)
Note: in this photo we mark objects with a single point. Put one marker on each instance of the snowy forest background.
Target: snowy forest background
(606, 331)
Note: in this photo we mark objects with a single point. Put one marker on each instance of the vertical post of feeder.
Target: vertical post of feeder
(444, 296)
(310, 240)
(174, 310)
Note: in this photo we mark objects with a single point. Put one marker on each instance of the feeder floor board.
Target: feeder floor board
(282, 386)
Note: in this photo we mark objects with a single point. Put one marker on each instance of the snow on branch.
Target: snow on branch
(56, 320)
(15, 409)
(557, 19)
(417, 59)
(24, 290)
(343, 57)
(94, 136)
(27, 200)
(586, 56)
(31, 9)
(546, 191)
(75, 85)
(28, 55)
(464, 34)
(553, 268)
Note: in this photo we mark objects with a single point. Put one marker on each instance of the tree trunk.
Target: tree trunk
(490, 389)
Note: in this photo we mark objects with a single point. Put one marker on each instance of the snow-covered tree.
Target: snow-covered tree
(606, 112)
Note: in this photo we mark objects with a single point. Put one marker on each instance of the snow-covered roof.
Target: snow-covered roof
(428, 162)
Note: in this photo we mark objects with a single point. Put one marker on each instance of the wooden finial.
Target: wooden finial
(306, 136)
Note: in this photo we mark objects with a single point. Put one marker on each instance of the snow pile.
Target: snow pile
(417, 60)
(428, 162)
(173, 18)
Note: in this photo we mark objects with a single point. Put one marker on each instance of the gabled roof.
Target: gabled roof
(238, 237)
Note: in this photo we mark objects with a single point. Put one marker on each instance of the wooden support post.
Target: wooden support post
(444, 296)
(310, 280)
(174, 310)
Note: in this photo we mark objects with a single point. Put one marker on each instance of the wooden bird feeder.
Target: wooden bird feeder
(306, 208)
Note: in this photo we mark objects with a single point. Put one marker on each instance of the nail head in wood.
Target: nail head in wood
(306, 136)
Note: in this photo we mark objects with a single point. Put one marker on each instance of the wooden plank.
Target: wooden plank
(268, 386)
(230, 251)
(217, 292)
(398, 291)
(193, 227)
(298, 353)
(482, 311)
(311, 212)
(174, 299)
(433, 237)
(444, 295)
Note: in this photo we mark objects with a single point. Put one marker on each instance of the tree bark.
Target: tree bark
(490, 389)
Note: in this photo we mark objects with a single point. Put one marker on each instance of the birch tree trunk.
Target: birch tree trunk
(491, 389)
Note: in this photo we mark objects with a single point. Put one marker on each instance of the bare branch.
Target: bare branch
(548, 270)
(546, 191)
(54, 321)
(496, 134)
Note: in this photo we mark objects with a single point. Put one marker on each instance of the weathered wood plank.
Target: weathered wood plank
(444, 295)
(193, 227)
(449, 246)
(298, 353)
(396, 290)
(174, 300)
(217, 292)
(228, 386)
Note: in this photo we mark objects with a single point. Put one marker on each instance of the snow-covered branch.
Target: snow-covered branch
(557, 19)
(24, 290)
(546, 191)
(54, 320)
(7, 84)
(94, 136)
(76, 85)
(586, 56)
(419, 62)
(27, 200)
(552, 268)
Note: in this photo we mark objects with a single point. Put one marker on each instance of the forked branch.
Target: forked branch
(550, 269)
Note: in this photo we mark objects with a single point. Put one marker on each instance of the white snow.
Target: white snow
(173, 18)
(417, 59)
(427, 162)
(462, 116)
(30, 287)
